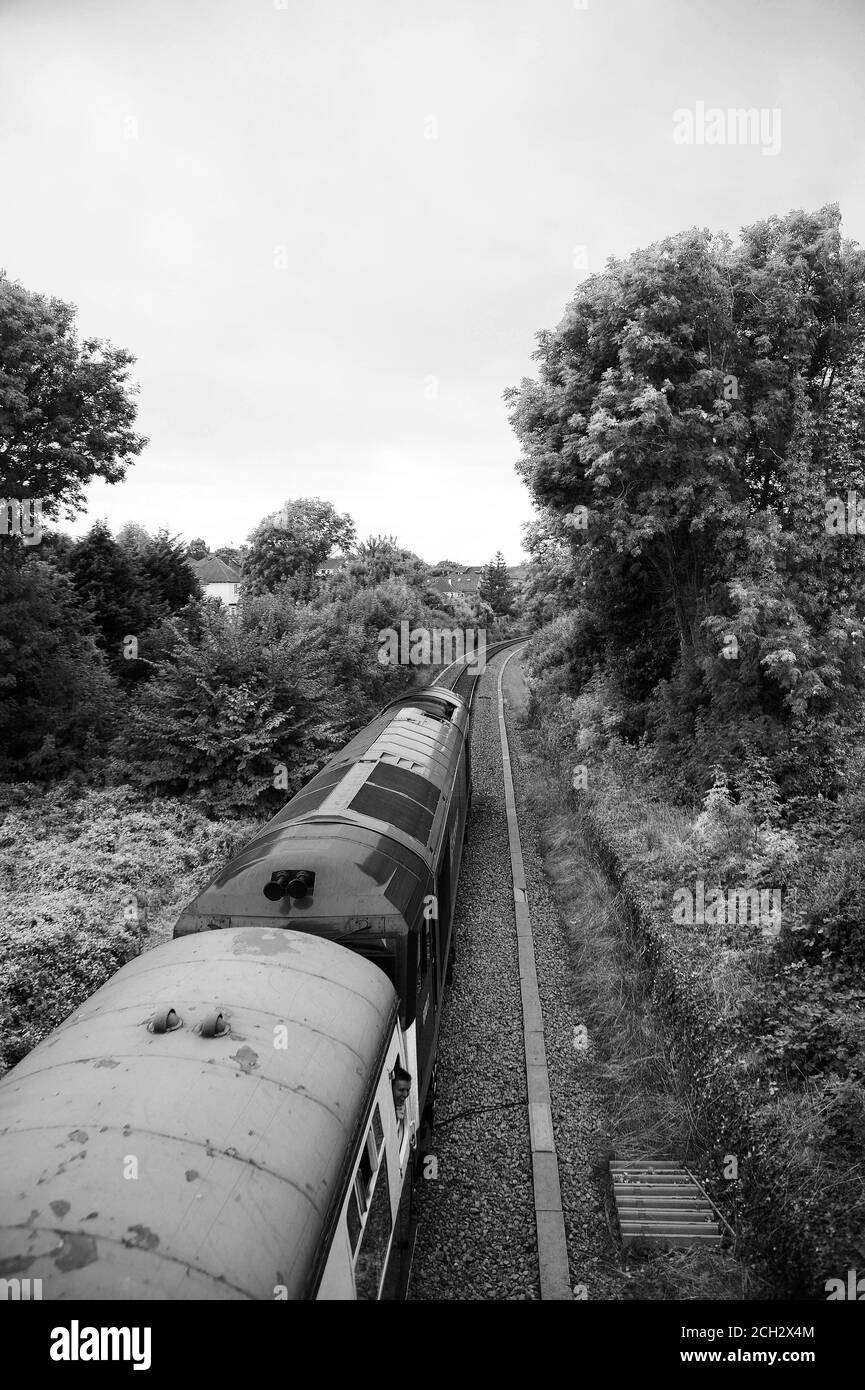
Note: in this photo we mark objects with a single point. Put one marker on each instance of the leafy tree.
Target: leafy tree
(455, 608)
(56, 698)
(496, 587)
(288, 547)
(67, 412)
(232, 555)
(552, 581)
(235, 701)
(679, 444)
(197, 548)
(448, 567)
(134, 538)
(67, 408)
(376, 560)
(367, 612)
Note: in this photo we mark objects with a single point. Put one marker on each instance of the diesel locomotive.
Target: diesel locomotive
(219, 1120)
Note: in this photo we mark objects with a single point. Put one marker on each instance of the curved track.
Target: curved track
(491, 1223)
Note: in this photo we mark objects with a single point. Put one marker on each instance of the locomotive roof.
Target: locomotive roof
(360, 874)
(368, 825)
(240, 1144)
(398, 771)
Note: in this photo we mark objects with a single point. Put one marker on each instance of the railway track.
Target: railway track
(462, 677)
(549, 1219)
(501, 1153)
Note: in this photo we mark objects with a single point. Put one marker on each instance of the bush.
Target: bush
(49, 968)
(769, 1037)
(87, 881)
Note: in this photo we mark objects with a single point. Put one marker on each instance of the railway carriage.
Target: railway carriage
(216, 1122)
(368, 854)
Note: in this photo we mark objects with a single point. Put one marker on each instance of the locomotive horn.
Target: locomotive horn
(292, 883)
(301, 883)
(278, 886)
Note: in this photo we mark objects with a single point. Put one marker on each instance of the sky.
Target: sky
(329, 230)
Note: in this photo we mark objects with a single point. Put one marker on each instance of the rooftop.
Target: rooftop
(212, 570)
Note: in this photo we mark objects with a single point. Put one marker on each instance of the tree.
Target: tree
(679, 444)
(109, 580)
(66, 408)
(377, 559)
(168, 575)
(197, 548)
(496, 587)
(54, 548)
(56, 699)
(552, 582)
(232, 555)
(288, 547)
(130, 587)
(235, 702)
(134, 538)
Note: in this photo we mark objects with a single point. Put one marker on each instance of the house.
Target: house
(462, 582)
(217, 580)
(465, 582)
(332, 566)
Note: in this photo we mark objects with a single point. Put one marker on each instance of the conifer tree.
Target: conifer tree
(496, 587)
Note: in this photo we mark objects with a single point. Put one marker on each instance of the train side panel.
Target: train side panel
(370, 1252)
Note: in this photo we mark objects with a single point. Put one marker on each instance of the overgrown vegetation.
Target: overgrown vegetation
(695, 446)
(769, 1033)
(647, 1106)
(87, 880)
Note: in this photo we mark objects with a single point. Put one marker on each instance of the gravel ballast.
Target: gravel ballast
(476, 1236)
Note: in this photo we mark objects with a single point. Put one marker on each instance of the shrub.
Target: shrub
(87, 881)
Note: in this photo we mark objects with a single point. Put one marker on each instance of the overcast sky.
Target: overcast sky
(330, 229)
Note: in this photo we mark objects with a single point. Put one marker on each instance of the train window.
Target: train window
(354, 1222)
(369, 1265)
(368, 1164)
(365, 1173)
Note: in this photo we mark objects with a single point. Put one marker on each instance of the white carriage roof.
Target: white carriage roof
(237, 1144)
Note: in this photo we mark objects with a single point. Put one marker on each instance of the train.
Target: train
(240, 1113)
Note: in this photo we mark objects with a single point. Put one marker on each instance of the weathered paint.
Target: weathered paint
(239, 1150)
